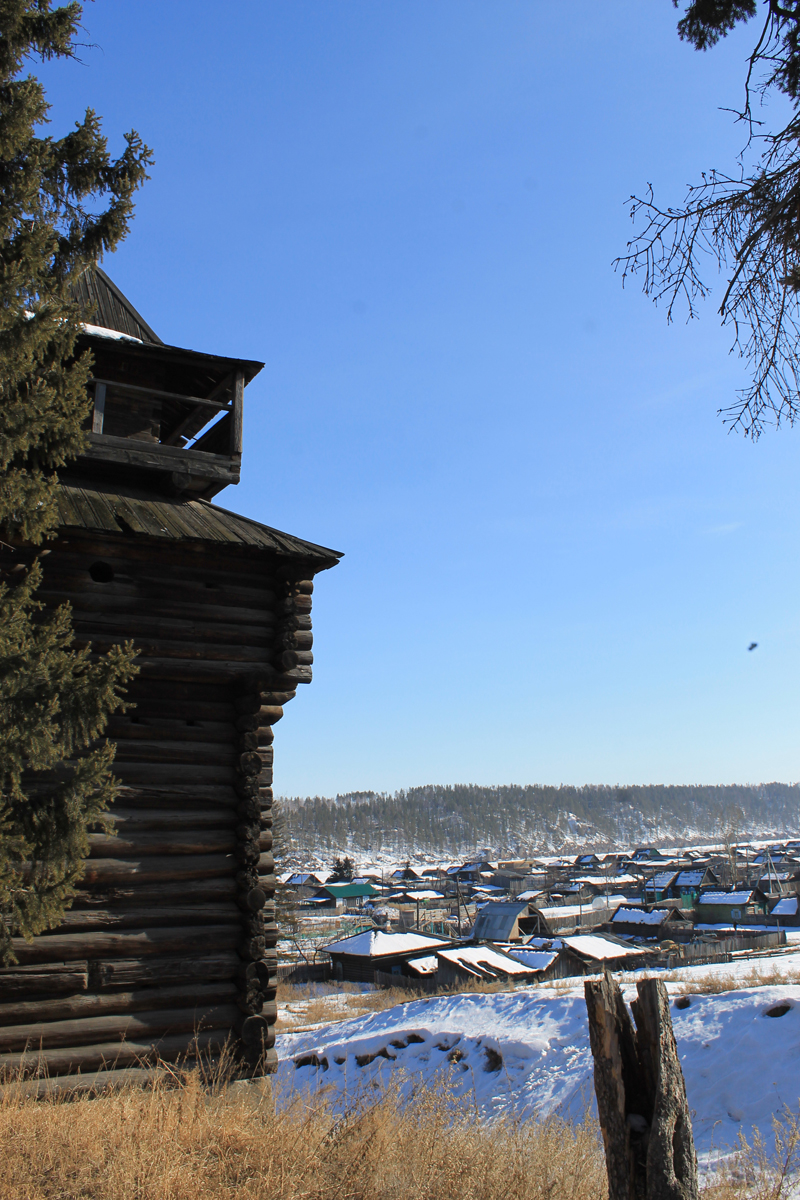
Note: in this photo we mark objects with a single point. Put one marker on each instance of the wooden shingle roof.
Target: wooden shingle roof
(109, 307)
(95, 505)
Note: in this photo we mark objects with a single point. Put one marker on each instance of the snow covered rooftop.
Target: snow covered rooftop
(690, 878)
(417, 894)
(374, 943)
(483, 960)
(99, 331)
(594, 946)
(426, 965)
(640, 917)
(663, 879)
(787, 907)
(737, 898)
(534, 960)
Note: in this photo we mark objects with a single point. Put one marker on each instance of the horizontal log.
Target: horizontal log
(147, 588)
(187, 671)
(165, 890)
(253, 1030)
(198, 753)
(151, 1024)
(138, 724)
(222, 468)
(44, 978)
(257, 739)
(265, 1008)
(296, 621)
(290, 679)
(138, 917)
(96, 1082)
(94, 1004)
(129, 821)
(139, 622)
(208, 564)
(266, 716)
(169, 609)
(48, 947)
(71, 1059)
(305, 586)
(249, 763)
(252, 900)
(116, 871)
(210, 841)
(178, 796)
(252, 701)
(131, 773)
(290, 659)
(296, 639)
(165, 692)
(204, 651)
(163, 969)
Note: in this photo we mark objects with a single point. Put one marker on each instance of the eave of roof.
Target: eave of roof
(151, 350)
(97, 505)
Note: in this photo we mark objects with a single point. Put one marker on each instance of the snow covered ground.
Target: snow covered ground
(527, 1051)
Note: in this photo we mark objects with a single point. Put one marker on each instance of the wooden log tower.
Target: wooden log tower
(169, 950)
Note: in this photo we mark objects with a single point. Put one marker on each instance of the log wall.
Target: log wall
(170, 946)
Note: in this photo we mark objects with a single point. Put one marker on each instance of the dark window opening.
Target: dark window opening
(101, 572)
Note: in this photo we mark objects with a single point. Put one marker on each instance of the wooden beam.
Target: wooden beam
(200, 401)
(238, 413)
(99, 407)
(196, 412)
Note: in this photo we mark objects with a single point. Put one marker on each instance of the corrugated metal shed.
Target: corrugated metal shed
(90, 504)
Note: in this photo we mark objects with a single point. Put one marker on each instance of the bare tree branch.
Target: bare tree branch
(745, 225)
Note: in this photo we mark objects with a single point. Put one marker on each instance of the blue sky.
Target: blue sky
(556, 556)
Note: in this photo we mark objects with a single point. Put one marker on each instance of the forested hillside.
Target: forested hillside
(511, 820)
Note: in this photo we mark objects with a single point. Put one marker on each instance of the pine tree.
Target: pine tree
(64, 202)
(54, 702)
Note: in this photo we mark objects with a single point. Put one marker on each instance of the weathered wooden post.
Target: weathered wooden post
(641, 1095)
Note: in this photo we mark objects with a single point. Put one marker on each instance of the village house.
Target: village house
(508, 922)
(647, 923)
(358, 957)
(715, 907)
(340, 896)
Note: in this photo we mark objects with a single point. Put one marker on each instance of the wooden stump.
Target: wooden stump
(641, 1095)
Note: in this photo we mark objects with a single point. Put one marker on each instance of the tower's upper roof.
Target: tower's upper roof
(111, 309)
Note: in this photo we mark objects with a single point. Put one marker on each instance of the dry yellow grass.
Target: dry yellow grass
(190, 1139)
(187, 1142)
(760, 1171)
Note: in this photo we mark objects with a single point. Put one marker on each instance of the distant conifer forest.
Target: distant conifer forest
(512, 820)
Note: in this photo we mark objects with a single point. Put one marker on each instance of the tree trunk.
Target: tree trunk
(641, 1096)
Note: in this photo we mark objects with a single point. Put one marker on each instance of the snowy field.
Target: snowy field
(527, 1051)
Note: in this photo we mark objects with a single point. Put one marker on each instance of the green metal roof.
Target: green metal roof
(351, 889)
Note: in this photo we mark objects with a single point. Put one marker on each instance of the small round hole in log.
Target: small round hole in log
(779, 1010)
(101, 572)
(682, 1002)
